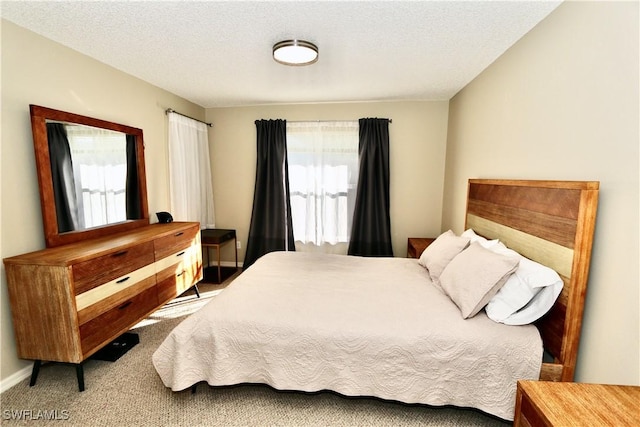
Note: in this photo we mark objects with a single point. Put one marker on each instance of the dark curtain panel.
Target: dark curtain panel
(371, 230)
(132, 195)
(271, 227)
(64, 191)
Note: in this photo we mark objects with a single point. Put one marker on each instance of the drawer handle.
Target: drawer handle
(180, 254)
(179, 234)
(180, 274)
(125, 305)
(124, 279)
(117, 254)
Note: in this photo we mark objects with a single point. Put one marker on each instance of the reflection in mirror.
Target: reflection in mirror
(91, 175)
(92, 166)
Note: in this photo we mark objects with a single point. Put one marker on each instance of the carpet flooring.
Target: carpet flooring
(128, 392)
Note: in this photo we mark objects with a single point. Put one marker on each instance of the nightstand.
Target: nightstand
(416, 245)
(216, 238)
(546, 403)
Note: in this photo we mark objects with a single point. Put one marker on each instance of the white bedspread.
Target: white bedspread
(357, 326)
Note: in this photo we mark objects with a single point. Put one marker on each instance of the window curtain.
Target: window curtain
(271, 227)
(190, 187)
(62, 174)
(323, 170)
(371, 232)
(100, 170)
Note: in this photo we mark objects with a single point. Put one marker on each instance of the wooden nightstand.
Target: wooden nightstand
(545, 403)
(416, 245)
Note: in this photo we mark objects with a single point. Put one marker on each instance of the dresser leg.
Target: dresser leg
(80, 375)
(34, 372)
(195, 288)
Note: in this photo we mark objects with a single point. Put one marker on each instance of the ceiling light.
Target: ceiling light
(295, 52)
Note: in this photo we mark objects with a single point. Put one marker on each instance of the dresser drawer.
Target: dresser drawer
(177, 281)
(172, 243)
(97, 301)
(117, 320)
(94, 272)
(190, 257)
(178, 272)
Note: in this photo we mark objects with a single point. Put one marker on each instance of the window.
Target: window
(323, 175)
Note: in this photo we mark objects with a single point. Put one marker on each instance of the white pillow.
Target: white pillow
(439, 253)
(537, 307)
(474, 276)
(528, 293)
(473, 237)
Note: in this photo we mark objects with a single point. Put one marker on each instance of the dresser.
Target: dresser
(70, 301)
(546, 404)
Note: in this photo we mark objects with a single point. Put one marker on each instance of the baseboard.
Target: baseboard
(229, 264)
(14, 379)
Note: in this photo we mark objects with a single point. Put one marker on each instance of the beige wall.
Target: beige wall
(417, 148)
(38, 71)
(563, 104)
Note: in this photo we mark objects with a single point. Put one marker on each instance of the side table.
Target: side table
(216, 238)
(417, 245)
(546, 404)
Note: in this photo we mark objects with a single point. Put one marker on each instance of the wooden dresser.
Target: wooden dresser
(70, 301)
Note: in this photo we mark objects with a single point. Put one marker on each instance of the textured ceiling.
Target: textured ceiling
(218, 53)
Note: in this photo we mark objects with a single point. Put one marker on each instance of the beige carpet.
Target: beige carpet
(128, 392)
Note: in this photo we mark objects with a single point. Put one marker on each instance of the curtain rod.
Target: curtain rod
(170, 110)
(325, 121)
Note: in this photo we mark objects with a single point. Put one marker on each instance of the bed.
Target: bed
(385, 327)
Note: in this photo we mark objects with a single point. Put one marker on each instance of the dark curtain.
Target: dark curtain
(271, 227)
(371, 230)
(132, 195)
(62, 176)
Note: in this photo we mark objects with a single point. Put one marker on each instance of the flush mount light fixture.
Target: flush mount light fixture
(295, 52)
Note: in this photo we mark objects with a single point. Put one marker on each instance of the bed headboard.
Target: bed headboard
(550, 222)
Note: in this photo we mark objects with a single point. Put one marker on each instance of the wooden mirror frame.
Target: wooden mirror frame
(53, 238)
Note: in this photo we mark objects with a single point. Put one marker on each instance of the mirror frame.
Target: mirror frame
(53, 238)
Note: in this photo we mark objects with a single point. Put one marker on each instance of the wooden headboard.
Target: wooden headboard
(550, 222)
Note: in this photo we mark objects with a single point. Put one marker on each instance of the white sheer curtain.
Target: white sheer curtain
(191, 191)
(100, 171)
(323, 174)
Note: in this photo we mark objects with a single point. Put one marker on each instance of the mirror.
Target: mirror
(91, 175)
